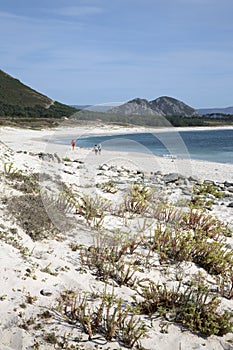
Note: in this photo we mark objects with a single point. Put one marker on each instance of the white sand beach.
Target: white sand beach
(32, 140)
(35, 272)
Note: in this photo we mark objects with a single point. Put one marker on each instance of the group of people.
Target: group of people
(97, 149)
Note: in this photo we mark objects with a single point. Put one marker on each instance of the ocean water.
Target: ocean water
(210, 145)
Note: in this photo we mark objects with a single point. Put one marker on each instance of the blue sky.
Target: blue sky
(101, 51)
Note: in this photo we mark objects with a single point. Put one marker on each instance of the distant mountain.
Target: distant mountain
(136, 106)
(80, 106)
(172, 107)
(161, 112)
(226, 110)
(163, 106)
(95, 108)
(18, 99)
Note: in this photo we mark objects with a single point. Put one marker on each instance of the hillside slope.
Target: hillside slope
(13, 92)
(18, 99)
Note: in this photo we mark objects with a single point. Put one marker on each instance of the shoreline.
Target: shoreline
(33, 141)
(103, 130)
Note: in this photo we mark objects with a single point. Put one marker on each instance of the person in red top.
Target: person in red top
(73, 144)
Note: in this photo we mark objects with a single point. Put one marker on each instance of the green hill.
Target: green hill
(13, 92)
(19, 100)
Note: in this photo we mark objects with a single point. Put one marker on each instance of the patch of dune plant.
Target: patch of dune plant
(204, 194)
(96, 261)
(124, 273)
(225, 284)
(157, 299)
(208, 188)
(31, 215)
(10, 171)
(200, 202)
(92, 209)
(131, 329)
(22, 182)
(179, 245)
(213, 256)
(67, 159)
(107, 263)
(204, 224)
(106, 258)
(108, 317)
(138, 199)
(120, 242)
(108, 187)
(166, 213)
(171, 244)
(195, 307)
(28, 183)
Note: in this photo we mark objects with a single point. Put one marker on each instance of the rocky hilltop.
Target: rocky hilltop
(163, 106)
(173, 107)
(136, 106)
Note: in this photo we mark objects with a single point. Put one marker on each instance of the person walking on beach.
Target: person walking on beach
(73, 144)
(96, 149)
(99, 148)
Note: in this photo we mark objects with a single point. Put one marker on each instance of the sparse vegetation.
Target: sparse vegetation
(109, 317)
(92, 209)
(108, 187)
(204, 224)
(196, 308)
(107, 262)
(66, 159)
(31, 215)
(186, 246)
(138, 199)
(10, 171)
(208, 188)
(149, 236)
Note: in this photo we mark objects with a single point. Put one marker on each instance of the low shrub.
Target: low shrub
(179, 245)
(196, 308)
(109, 317)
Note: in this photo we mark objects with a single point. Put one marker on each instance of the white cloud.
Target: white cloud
(15, 18)
(78, 11)
(10, 15)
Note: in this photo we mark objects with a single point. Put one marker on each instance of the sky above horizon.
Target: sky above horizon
(102, 51)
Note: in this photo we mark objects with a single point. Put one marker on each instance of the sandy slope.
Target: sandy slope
(34, 273)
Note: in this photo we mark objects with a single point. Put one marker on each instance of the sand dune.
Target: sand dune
(35, 272)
